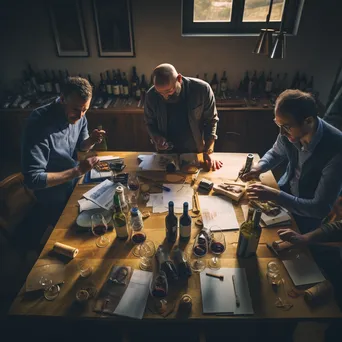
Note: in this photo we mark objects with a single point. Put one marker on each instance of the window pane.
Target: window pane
(257, 10)
(212, 10)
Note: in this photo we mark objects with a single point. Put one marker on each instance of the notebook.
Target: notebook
(218, 297)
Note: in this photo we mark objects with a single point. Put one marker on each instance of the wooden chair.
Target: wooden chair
(16, 201)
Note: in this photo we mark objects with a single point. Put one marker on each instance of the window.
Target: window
(234, 17)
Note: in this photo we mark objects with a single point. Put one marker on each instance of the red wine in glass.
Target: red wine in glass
(99, 230)
(200, 250)
(159, 292)
(133, 186)
(217, 247)
(138, 238)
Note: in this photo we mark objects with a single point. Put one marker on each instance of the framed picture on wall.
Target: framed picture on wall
(114, 29)
(68, 28)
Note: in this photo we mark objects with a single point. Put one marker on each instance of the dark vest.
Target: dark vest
(328, 147)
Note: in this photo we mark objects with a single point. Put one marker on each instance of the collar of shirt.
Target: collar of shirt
(60, 113)
(316, 138)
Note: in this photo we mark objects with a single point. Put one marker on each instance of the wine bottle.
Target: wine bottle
(115, 85)
(296, 81)
(119, 78)
(310, 85)
(143, 87)
(55, 82)
(109, 84)
(102, 146)
(276, 84)
(151, 81)
(205, 78)
(252, 85)
(119, 219)
(47, 82)
(61, 79)
(183, 267)
(223, 84)
(214, 84)
(185, 223)
(245, 230)
(102, 86)
(125, 86)
(171, 223)
(262, 83)
(33, 78)
(165, 264)
(246, 82)
(92, 85)
(283, 83)
(134, 82)
(41, 83)
(269, 84)
(303, 83)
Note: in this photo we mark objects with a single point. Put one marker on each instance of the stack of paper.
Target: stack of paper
(157, 162)
(218, 297)
(218, 213)
(179, 194)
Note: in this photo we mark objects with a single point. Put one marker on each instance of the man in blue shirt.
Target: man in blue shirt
(52, 136)
(312, 150)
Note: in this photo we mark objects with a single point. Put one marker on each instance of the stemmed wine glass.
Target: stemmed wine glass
(159, 290)
(51, 291)
(99, 227)
(133, 183)
(147, 251)
(138, 237)
(217, 246)
(199, 249)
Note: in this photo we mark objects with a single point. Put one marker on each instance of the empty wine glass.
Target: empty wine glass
(273, 273)
(146, 253)
(159, 290)
(133, 183)
(99, 227)
(84, 268)
(199, 250)
(137, 237)
(217, 246)
(51, 291)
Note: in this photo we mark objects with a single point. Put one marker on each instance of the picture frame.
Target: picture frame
(114, 28)
(68, 28)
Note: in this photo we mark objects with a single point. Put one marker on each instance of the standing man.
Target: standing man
(181, 112)
(53, 134)
(312, 150)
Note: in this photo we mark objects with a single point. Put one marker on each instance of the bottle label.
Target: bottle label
(48, 87)
(121, 231)
(268, 88)
(223, 86)
(125, 90)
(185, 231)
(109, 88)
(121, 89)
(137, 93)
(116, 90)
(57, 87)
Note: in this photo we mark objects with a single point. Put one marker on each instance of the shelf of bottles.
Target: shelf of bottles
(115, 90)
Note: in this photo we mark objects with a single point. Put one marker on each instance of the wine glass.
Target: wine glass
(84, 267)
(159, 290)
(133, 183)
(137, 237)
(99, 227)
(217, 246)
(146, 253)
(273, 273)
(51, 291)
(199, 250)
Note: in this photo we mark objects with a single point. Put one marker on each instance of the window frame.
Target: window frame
(236, 27)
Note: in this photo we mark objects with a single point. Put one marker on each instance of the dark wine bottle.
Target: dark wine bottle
(171, 223)
(109, 84)
(185, 223)
(125, 86)
(214, 84)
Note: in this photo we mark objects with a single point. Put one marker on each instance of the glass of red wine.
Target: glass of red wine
(159, 290)
(133, 182)
(138, 237)
(99, 227)
(199, 250)
(217, 247)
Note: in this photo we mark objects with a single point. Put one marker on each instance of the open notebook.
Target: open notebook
(218, 297)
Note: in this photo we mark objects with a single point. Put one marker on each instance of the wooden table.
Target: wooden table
(120, 253)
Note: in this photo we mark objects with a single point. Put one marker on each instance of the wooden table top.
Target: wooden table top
(119, 253)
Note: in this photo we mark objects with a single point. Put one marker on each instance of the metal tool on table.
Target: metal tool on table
(248, 166)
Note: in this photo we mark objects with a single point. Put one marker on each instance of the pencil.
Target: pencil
(237, 300)
(218, 276)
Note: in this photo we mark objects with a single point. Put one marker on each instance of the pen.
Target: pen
(218, 276)
(237, 300)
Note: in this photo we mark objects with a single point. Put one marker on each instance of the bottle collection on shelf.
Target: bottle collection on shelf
(39, 88)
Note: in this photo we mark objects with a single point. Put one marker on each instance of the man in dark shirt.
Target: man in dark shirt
(181, 112)
(53, 134)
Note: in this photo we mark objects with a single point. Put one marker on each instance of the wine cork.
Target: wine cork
(65, 250)
(318, 293)
(185, 303)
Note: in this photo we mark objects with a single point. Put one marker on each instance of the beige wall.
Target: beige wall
(26, 37)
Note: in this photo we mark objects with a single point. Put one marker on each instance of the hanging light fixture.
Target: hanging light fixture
(264, 42)
(279, 46)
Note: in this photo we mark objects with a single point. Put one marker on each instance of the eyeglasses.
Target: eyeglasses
(167, 92)
(286, 128)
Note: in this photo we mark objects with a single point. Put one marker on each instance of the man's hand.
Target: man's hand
(97, 135)
(262, 192)
(161, 143)
(211, 164)
(292, 236)
(86, 165)
(254, 173)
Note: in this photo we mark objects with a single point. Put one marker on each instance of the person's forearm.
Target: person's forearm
(316, 235)
(57, 178)
(272, 157)
(87, 144)
(209, 145)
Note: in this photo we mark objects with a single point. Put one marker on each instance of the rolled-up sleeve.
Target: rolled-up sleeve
(210, 115)
(84, 133)
(34, 156)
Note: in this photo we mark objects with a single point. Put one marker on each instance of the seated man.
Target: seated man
(312, 150)
(53, 134)
(182, 111)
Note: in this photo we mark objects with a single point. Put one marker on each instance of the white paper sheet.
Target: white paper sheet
(218, 297)
(179, 194)
(87, 205)
(218, 211)
(102, 194)
(153, 162)
(156, 202)
(303, 270)
(133, 302)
